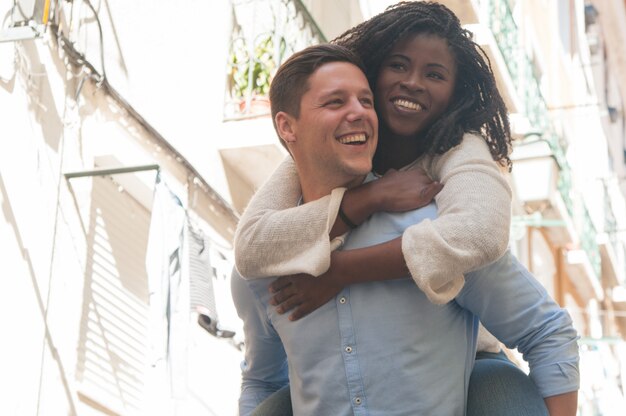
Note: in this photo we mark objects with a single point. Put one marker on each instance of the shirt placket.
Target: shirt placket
(349, 354)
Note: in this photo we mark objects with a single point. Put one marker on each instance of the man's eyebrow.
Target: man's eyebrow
(339, 91)
(336, 91)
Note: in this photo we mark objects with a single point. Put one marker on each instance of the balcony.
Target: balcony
(536, 179)
(265, 33)
(611, 247)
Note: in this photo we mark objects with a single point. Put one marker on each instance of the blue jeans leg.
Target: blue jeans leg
(498, 387)
(278, 404)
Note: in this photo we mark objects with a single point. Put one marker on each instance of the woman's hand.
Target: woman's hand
(396, 191)
(405, 190)
(303, 292)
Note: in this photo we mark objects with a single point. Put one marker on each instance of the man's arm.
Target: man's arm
(516, 308)
(264, 369)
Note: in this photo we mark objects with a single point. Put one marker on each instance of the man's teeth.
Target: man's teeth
(353, 138)
(407, 104)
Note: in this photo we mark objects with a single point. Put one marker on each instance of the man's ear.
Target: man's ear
(285, 124)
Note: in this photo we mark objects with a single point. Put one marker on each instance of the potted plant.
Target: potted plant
(250, 76)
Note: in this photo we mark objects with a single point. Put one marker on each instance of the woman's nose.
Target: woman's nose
(413, 82)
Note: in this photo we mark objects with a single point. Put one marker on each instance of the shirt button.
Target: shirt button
(348, 349)
(357, 400)
(342, 299)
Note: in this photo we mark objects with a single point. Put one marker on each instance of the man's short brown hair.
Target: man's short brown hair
(291, 81)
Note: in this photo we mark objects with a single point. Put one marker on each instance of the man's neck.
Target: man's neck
(316, 188)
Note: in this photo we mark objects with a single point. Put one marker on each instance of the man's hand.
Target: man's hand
(303, 292)
(565, 404)
(405, 190)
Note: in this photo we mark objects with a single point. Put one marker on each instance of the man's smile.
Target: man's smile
(353, 138)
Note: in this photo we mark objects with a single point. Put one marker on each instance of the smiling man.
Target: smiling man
(380, 348)
(332, 131)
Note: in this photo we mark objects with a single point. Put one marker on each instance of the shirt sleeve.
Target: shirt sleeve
(472, 226)
(264, 369)
(276, 237)
(516, 308)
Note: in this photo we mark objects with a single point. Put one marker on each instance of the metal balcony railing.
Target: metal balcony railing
(610, 221)
(265, 33)
(519, 66)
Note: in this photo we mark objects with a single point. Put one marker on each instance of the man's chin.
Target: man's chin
(358, 172)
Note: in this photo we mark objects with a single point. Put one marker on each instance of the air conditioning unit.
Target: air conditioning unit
(27, 19)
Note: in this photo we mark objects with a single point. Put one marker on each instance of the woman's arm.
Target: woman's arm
(472, 225)
(396, 191)
(275, 237)
(304, 294)
(471, 231)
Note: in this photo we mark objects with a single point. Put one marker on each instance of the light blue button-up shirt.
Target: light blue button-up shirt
(382, 348)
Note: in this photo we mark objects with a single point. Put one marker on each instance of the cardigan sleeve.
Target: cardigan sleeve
(276, 237)
(472, 226)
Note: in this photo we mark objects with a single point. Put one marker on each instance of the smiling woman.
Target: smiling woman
(414, 87)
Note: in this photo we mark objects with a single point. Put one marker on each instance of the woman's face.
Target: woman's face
(415, 84)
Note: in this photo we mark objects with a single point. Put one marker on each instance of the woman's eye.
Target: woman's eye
(396, 65)
(436, 75)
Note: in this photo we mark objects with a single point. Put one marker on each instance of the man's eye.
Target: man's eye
(335, 102)
(367, 102)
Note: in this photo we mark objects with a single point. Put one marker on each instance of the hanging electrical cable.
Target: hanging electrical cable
(95, 13)
(78, 59)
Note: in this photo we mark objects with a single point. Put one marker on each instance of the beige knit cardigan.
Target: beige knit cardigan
(275, 237)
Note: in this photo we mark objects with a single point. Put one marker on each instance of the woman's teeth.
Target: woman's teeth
(407, 104)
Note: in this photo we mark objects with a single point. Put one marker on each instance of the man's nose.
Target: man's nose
(357, 110)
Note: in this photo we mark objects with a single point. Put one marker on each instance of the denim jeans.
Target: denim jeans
(278, 404)
(497, 387)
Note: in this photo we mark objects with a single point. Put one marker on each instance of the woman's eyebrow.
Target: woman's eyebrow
(398, 55)
(440, 66)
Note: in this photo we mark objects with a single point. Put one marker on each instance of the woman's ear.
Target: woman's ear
(285, 125)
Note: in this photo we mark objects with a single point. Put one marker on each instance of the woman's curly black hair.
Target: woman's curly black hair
(476, 106)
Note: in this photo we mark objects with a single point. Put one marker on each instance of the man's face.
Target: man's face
(337, 131)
